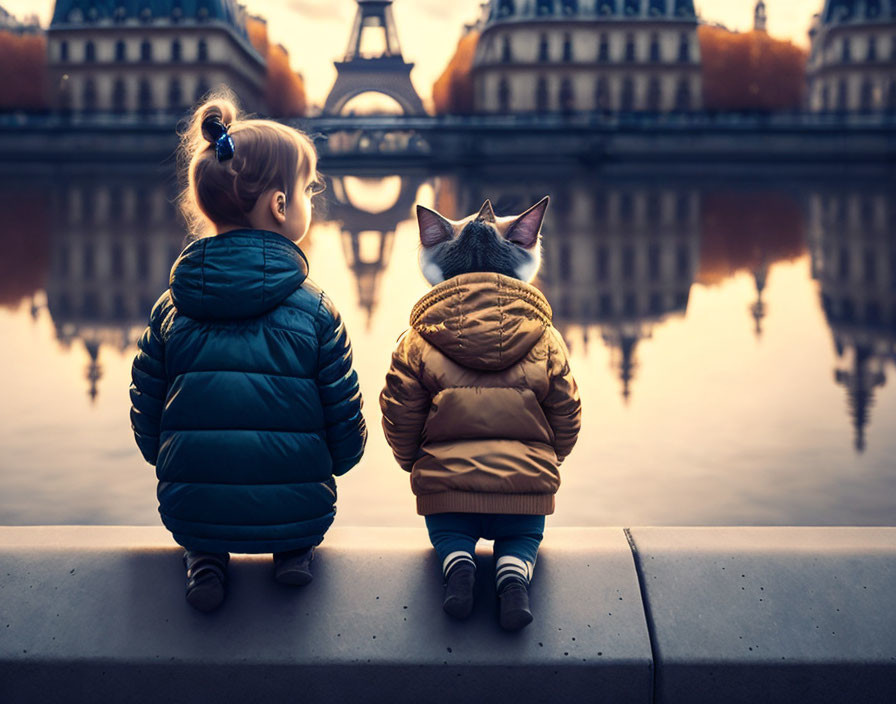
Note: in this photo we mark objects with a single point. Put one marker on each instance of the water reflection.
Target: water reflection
(111, 249)
(619, 258)
(851, 236)
(749, 230)
(672, 293)
(368, 211)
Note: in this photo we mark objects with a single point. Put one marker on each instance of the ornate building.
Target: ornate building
(851, 238)
(852, 64)
(150, 57)
(111, 250)
(621, 257)
(588, 55)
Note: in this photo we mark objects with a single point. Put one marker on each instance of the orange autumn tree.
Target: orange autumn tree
(750, 71)
(453, 90)
(23, 64)
(285, 89)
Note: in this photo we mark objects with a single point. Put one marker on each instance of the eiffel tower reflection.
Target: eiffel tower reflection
(368, 231)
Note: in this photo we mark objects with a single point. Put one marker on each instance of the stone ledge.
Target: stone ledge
(97, 614)
(768, 614)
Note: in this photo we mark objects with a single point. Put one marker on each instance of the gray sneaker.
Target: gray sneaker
(514, 612)
(206, 576)
(294, 567)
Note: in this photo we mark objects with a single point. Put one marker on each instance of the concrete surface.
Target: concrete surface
(780, 614)
(770, 614)
(97, 614)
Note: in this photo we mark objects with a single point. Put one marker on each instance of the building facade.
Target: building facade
(854, 260)
(852, 64)
(111, 250)
(150, 57)
(566, 56)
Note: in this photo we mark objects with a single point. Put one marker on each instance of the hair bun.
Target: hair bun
(216, 114)
(213, 127)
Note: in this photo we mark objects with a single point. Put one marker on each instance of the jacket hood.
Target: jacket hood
(237, 274)
(482, 320)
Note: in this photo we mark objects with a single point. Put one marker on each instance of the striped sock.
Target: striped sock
(509, 567)
(456, 559)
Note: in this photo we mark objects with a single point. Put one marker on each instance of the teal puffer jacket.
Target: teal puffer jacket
(244, 397)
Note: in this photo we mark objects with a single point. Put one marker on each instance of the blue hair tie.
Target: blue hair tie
(215, 131)
(224, 147)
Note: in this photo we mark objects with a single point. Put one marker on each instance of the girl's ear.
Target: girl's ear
(278, 206)
(434, 229)
(525, 229)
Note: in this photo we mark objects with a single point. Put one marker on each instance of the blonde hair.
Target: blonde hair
(267, 155)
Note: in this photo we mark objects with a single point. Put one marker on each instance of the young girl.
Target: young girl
(243, 393)
(480, 405)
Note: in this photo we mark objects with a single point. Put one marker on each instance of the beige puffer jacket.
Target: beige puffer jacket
(480, 404)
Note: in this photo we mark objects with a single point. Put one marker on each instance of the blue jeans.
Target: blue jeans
(515, 535)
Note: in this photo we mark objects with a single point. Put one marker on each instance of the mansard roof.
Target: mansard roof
(591, 10)
(840, 12)
(77, 12)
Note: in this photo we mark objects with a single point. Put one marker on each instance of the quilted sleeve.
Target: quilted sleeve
(562, 405)
(149, 384)
(340, 393)
(405, 404)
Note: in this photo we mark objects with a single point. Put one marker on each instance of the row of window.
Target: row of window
(846, 310)
(566, 98)
(146, 51)
(627, 262)
(120, 13)
(569, 8)
(872, 53)
(603, 49)
(117, 269)
(89, 307)
(841, 210)
(146, 100)
(846, 10)
(836, 97)
(607, 305)
(843, 269)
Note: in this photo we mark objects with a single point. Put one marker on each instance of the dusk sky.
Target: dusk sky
(316, 31)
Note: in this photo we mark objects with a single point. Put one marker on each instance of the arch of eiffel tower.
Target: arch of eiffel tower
(387, 73)
(354, 221)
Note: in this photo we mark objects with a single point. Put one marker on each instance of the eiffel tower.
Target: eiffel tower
(387, 73)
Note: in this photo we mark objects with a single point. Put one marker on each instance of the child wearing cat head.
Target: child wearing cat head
(480, 405)
(243, 393)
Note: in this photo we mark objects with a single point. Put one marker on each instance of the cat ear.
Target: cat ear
(525, 229)
(434, 229)
(486, 213)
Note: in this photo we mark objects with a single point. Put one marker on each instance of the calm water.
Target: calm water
(732, 339)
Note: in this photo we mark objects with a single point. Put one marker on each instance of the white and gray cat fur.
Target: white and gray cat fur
(508, 245)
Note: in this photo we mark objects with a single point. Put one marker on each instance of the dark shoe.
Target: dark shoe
(458, 601)
(514, 609)
(206, 575)
(294, 567)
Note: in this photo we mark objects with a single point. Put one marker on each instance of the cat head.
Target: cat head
(508, 245)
